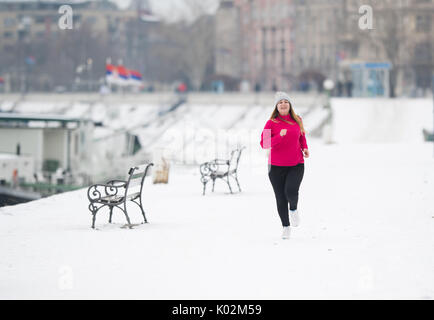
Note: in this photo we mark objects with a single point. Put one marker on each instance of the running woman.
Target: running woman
(284, 134)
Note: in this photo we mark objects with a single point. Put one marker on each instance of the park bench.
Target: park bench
(116, 193)
(221, 169)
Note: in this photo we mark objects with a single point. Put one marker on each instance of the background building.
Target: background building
(255, 42)
(296, 44)
(37, 55)
(228, 57)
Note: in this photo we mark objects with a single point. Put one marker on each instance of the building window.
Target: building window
(301, 62)
(226, 4)
(423, 23)
(9, 22)
(422, 53)
(354, 50)
(91, 20)
(39, 19)
(311, 55)
(423, 77)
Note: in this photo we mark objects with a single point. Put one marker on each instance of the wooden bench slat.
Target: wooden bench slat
(137, 176)
(112, 199)
(141, 168)
(135, 182)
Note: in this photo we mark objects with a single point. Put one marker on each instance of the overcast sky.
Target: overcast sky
(172, 10)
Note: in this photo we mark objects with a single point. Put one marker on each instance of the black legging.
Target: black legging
(286, 182)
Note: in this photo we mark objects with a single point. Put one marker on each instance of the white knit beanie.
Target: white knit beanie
(280, 96)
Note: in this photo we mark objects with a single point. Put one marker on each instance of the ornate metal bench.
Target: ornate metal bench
(221, 169)
(115, 193)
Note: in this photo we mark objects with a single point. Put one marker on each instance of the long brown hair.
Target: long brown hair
(294, 116)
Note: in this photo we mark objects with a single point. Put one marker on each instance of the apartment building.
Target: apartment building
(286, 43)
(256, 43)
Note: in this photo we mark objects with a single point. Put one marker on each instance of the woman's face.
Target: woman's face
(283, 107)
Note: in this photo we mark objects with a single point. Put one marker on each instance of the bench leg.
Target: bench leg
(236, 179)
(204, 187)
(93, 209)
(111, 213)
(141, 208)
(144, 216)
(143, 211)
(229, 184)
(125, 212)
(93, 219)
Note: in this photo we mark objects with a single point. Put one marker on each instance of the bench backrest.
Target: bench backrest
(136, 177)
(235, 158)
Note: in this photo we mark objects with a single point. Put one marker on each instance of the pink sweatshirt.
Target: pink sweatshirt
(286, 150)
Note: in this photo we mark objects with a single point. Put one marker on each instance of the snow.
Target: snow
(7, 156)
(367, 225)
(381, 120)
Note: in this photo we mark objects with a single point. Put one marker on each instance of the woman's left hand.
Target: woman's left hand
(306, 153)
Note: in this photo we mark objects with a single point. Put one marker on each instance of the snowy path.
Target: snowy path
(367, 232)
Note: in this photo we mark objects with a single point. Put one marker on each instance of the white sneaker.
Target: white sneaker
(286, 232)
(295, 218)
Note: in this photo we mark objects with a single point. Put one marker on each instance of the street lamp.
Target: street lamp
(328, 85)
(89, 68)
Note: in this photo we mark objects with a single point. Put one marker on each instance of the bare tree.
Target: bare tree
(166, 52)
(197, 40)
(185, 49)
(198, 49)
(56, 58)
(199, 8)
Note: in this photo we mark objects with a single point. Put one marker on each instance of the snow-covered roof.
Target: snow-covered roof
(8, 156)
(38, 117)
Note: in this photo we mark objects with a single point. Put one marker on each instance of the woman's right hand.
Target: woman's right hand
(283, 132)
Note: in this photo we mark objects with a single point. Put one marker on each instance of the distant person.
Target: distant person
(284, 134)
(15, 178)
(340, 88)
(349, 87)
(104, 90)
(257, 87)
(182, 87)
(304, 86)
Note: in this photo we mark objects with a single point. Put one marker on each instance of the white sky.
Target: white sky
(171, 10)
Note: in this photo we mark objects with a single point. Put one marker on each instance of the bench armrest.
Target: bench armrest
(220, 162)
(97, 191)
(207, 168)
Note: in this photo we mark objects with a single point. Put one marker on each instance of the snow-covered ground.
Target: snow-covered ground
(367, 232)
